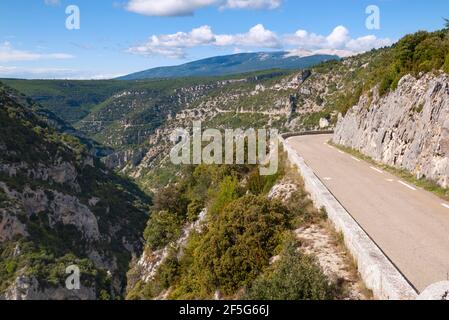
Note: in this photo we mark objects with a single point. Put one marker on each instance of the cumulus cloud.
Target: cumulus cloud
(8, 53)
(257, 37)
(338, 42)
(174, 45)
(301, 43)
(168, 8)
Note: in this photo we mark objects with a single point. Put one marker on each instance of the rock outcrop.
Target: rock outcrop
(29, 288)
(408, 128)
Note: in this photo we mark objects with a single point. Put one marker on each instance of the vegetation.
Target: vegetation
(294, 277)
(49, 269)
(235, 248)
(163, 228)
(244, 231)
(414, 54)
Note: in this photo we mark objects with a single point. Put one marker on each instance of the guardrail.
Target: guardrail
(378, 273)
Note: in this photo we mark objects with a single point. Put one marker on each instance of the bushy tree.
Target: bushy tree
(163, 228)
(295, 277)
(172, 199)
(237, 246)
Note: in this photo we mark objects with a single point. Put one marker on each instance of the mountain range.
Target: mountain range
(232, 64)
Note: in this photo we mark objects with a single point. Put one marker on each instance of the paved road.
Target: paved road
(409, 224)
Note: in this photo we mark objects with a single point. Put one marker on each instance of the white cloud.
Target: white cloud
(54, 73)
(8, 54)
(41, 73)
(252, 4)
(257, 36)
(169, 8)
(174, 45)
(337, 42)
(301, 43)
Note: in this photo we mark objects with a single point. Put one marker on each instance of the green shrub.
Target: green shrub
(294, 277)
(163, 228)
(258, 184)
(237, 246)
(172, 199)
(194, 209)
(227, 192)
(446, 64)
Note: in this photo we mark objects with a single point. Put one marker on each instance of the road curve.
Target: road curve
(408, 223)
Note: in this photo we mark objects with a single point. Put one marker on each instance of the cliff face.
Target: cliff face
(59, 206)
(407, 128)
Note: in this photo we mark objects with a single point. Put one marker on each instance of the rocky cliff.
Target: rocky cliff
(60, 206)
(407, 128)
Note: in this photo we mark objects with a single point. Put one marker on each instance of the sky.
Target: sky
(41, 39)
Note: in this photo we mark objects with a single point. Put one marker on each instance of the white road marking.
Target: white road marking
(407, 185)
(377, 170)
(354, 158)
(327, 178)
(390, 180)
(445, 205)
(341, 152)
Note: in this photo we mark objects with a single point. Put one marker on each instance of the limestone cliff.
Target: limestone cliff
(60, 206)
(407, 128)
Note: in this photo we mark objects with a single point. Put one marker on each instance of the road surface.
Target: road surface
(409, 224)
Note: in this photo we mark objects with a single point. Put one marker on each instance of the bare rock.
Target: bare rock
(407, 128)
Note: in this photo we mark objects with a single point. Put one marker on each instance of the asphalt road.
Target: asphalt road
(409, 224)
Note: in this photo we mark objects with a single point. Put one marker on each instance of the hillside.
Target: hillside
(232, 64)
(59, 206)
(136, 120)
(225, 232)
(402, 122)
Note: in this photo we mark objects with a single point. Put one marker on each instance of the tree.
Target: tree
(294, 277)
(446, 23)
(163, 228)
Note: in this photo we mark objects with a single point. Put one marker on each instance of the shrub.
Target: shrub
(294, 277)
(446, 64)
(163, 228)
(194, 209)
(258, 184)
(236, 247)
(227, 192)
(172, 199)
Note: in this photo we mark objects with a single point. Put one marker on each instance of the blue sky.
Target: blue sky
(117, 37)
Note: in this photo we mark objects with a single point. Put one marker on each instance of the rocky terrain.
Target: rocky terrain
(59, 206)
(407, 128)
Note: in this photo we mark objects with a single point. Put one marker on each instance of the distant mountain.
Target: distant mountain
(232, 64)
